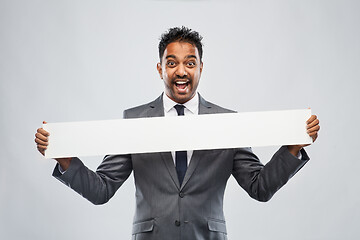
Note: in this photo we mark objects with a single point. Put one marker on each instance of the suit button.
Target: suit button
(181, 194)
(177, 223)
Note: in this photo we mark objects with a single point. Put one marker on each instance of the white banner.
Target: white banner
(160, 134)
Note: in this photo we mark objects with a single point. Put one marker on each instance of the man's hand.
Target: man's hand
(42, 141)
(312, 128)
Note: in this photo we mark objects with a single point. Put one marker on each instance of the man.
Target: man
(179, 195)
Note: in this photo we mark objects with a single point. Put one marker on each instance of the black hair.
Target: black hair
(178, 34)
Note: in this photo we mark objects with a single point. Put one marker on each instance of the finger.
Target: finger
(41, 147)
(44, 122)
(40, 142)
(313, 133)
(312, 118)
(43, 132)
(41, 137)
(313, 129)
(313, 123)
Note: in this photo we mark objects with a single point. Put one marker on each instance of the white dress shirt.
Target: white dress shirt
(191, 108)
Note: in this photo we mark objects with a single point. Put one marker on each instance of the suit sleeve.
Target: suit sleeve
(262, 181)
(98, 187)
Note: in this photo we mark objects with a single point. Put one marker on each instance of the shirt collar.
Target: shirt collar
(192, 105)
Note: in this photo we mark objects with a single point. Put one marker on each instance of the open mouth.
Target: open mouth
(182, 86)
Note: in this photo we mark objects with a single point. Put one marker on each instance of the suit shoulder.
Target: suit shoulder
(215, 108)
(141, 110)
(135, 112)
(221, 109)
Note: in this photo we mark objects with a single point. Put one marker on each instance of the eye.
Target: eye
(170, 64)
(191, 64)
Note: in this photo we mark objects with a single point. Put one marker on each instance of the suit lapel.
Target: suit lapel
(169, 163)
(195, 159)
(204, 108)
(156, 109)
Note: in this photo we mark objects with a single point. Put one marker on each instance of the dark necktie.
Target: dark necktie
(180, 156)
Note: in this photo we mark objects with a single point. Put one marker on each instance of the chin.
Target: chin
(183, 98)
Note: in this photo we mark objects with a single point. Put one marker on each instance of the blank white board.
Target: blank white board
(160, 134)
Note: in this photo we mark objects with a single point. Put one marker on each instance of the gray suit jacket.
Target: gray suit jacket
(194, 210)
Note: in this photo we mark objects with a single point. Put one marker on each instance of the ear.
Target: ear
(159, 68)
(201, 67)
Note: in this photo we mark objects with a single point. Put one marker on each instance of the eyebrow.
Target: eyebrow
(190, 56)
(173, 56)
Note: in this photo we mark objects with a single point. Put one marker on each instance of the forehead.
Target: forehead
(181, 50)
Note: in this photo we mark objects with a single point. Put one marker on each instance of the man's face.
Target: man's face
(180, 70)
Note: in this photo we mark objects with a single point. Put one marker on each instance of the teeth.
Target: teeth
(180, 82)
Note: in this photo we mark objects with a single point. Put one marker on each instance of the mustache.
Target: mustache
(177, 77)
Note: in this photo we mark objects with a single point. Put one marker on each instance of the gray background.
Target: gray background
(90, 60)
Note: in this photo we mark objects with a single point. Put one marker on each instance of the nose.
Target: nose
(181, 71)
